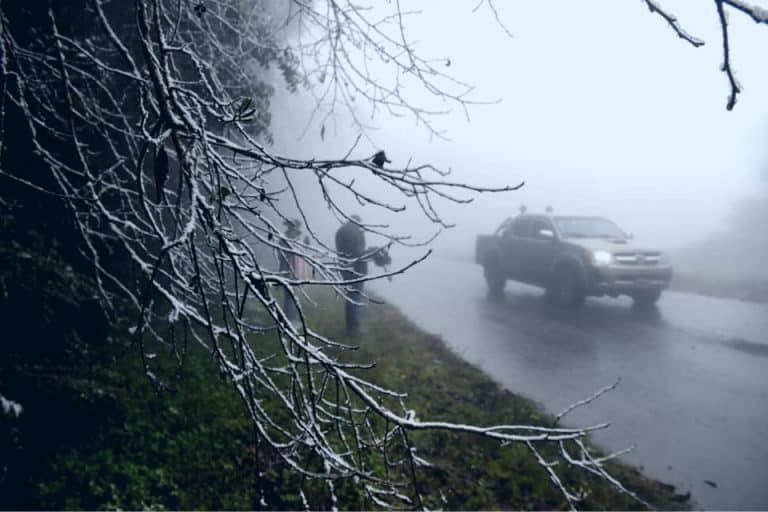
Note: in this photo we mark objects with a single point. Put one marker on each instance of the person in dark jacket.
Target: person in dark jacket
(350, 245)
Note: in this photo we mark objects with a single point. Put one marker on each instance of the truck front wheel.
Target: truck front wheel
(567, 288)
(494, 276)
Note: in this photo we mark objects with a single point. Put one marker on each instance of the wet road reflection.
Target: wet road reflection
(694, 390)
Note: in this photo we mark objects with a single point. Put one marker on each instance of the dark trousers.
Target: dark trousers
(354, 299)
(289, 306)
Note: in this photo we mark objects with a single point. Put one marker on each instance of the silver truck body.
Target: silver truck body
(603, 260)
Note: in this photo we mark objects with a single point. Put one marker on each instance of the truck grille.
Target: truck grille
(637, 258)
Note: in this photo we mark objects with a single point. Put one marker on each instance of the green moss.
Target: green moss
(192, 446)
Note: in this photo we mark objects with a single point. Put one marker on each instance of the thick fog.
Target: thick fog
(598, 107)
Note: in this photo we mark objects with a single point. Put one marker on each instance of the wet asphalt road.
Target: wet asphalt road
(694, 391)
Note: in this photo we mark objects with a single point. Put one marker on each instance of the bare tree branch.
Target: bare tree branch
(672, 21)
(757, 13)
(726, 68)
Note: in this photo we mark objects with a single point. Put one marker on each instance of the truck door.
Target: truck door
(537, 251)
(511, 240)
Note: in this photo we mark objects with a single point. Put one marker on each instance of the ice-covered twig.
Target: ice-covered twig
(585, 401)
(674, 23)
(10, 408)
(757, 13)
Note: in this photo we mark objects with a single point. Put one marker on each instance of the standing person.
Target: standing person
(350, 245)
(287, 261)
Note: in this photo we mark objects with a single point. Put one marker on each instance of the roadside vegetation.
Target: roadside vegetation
(104, 438)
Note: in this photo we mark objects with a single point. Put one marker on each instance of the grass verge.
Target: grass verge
(106, 440)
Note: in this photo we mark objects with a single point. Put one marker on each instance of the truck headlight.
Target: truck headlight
(602, 258)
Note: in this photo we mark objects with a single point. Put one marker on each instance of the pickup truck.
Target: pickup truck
(572, 258)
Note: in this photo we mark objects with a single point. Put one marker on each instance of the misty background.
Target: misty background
(598, 107)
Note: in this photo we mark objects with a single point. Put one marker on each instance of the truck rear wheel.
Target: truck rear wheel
(494, 276)
(567, 288)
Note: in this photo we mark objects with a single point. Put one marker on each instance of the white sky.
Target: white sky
(603, 111)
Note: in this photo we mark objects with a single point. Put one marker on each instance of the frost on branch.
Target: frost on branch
(757, 13)
(147, 121)
(10, 408)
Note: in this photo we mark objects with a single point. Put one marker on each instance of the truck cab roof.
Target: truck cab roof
(564, 226)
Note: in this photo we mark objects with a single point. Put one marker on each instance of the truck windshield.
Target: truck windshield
(587, 227)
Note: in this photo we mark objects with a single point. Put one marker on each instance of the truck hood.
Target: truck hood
(611, 245)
